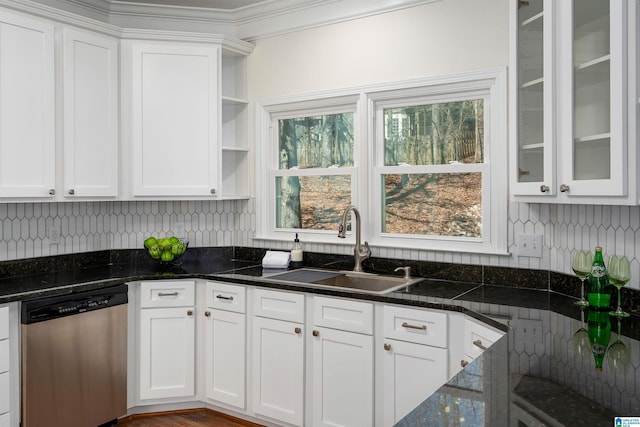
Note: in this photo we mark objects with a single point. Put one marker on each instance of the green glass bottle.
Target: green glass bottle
(599, 293)
(599, 327)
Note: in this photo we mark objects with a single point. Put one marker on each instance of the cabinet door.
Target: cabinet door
(225, 357)
(167, 352)
(534, 159)
(342, 378)
(593, 97)
(175, 115)
(412, 372)
(90, 114)
(278, 370)
(27, 130)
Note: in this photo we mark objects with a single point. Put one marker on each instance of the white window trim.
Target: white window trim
(489, 83)
(269, 112)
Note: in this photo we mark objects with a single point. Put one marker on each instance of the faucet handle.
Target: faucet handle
(366, 251)
(407, 272)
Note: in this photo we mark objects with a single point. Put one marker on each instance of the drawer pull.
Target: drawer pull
(168, 294)
(408, 326)
(478, 344)
(387, 347)
(207, 313)
(463, 363)
(224, 298)
(315, 333)
(297, 330)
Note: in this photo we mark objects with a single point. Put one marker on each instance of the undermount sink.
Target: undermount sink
(350, 280)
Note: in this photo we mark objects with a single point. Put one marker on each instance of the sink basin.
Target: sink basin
(349, 280)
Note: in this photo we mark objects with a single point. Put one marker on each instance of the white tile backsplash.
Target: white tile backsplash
(90, 226)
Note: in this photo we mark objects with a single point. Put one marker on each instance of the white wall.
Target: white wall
(438, 38)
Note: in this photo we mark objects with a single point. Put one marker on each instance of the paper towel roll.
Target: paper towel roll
(276, 259)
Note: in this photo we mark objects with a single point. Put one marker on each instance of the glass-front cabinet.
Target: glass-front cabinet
(572, 118)
(535, 108)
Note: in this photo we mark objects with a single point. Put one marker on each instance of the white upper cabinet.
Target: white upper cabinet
(90, 83)
(574, 101)
(174, 98)
(27, 116)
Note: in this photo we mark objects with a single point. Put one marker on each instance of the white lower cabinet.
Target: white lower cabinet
(342, 362)
(5, 362)
(342, 378)
(415, 358)
(278, 356)
(294, 359)
(9, 365)
(167, 340)
(478, 337)
(412, 372)
(225, 344)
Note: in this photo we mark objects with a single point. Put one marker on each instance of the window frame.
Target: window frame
(267, 170)
(489, 84)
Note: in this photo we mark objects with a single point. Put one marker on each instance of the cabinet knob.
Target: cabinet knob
(213, 191)
(315, 333)
(564, 188)
(71, 191)
(544, 188)
(207, 313)
(463, 363)
(387, 347)
(297, 330)
(189, 312)
(52, 192)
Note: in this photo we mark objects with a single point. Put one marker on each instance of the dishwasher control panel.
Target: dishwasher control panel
(48, 308)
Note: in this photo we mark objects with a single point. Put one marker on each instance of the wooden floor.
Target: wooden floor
(190, 418)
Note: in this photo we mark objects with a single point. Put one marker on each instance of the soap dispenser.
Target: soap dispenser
(296, 254)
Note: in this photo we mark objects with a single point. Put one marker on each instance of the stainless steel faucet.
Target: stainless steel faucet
(359, 253)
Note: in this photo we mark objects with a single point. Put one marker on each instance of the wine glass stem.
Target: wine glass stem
(619, 306)
(582, 290)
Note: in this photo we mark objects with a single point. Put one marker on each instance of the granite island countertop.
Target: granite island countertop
(523, 379)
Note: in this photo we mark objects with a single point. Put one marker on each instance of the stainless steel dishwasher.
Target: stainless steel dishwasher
(74, 359)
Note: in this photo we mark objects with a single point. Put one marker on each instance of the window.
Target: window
(322, 145)
(310, 169)
(425, 164)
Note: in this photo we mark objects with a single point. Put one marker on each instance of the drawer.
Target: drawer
(346, 315)
(287, 306)
(5, 356)
(477, 336)
(419, 326)
(176, 293)
(4, 322)
(224, 296)
(5, 420)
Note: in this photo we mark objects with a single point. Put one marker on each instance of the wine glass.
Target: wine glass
(581, 343)
(618, 354)
(619, 275)
(581, 264)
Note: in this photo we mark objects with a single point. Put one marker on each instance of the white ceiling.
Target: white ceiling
(228, 5)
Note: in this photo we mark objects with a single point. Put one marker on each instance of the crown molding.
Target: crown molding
(85, 16)
(265, 19)
(268, 24)
(228, 43)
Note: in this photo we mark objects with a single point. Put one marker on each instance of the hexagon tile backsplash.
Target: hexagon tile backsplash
(25, 230)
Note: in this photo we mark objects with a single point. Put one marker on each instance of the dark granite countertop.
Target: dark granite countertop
(537, 373)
